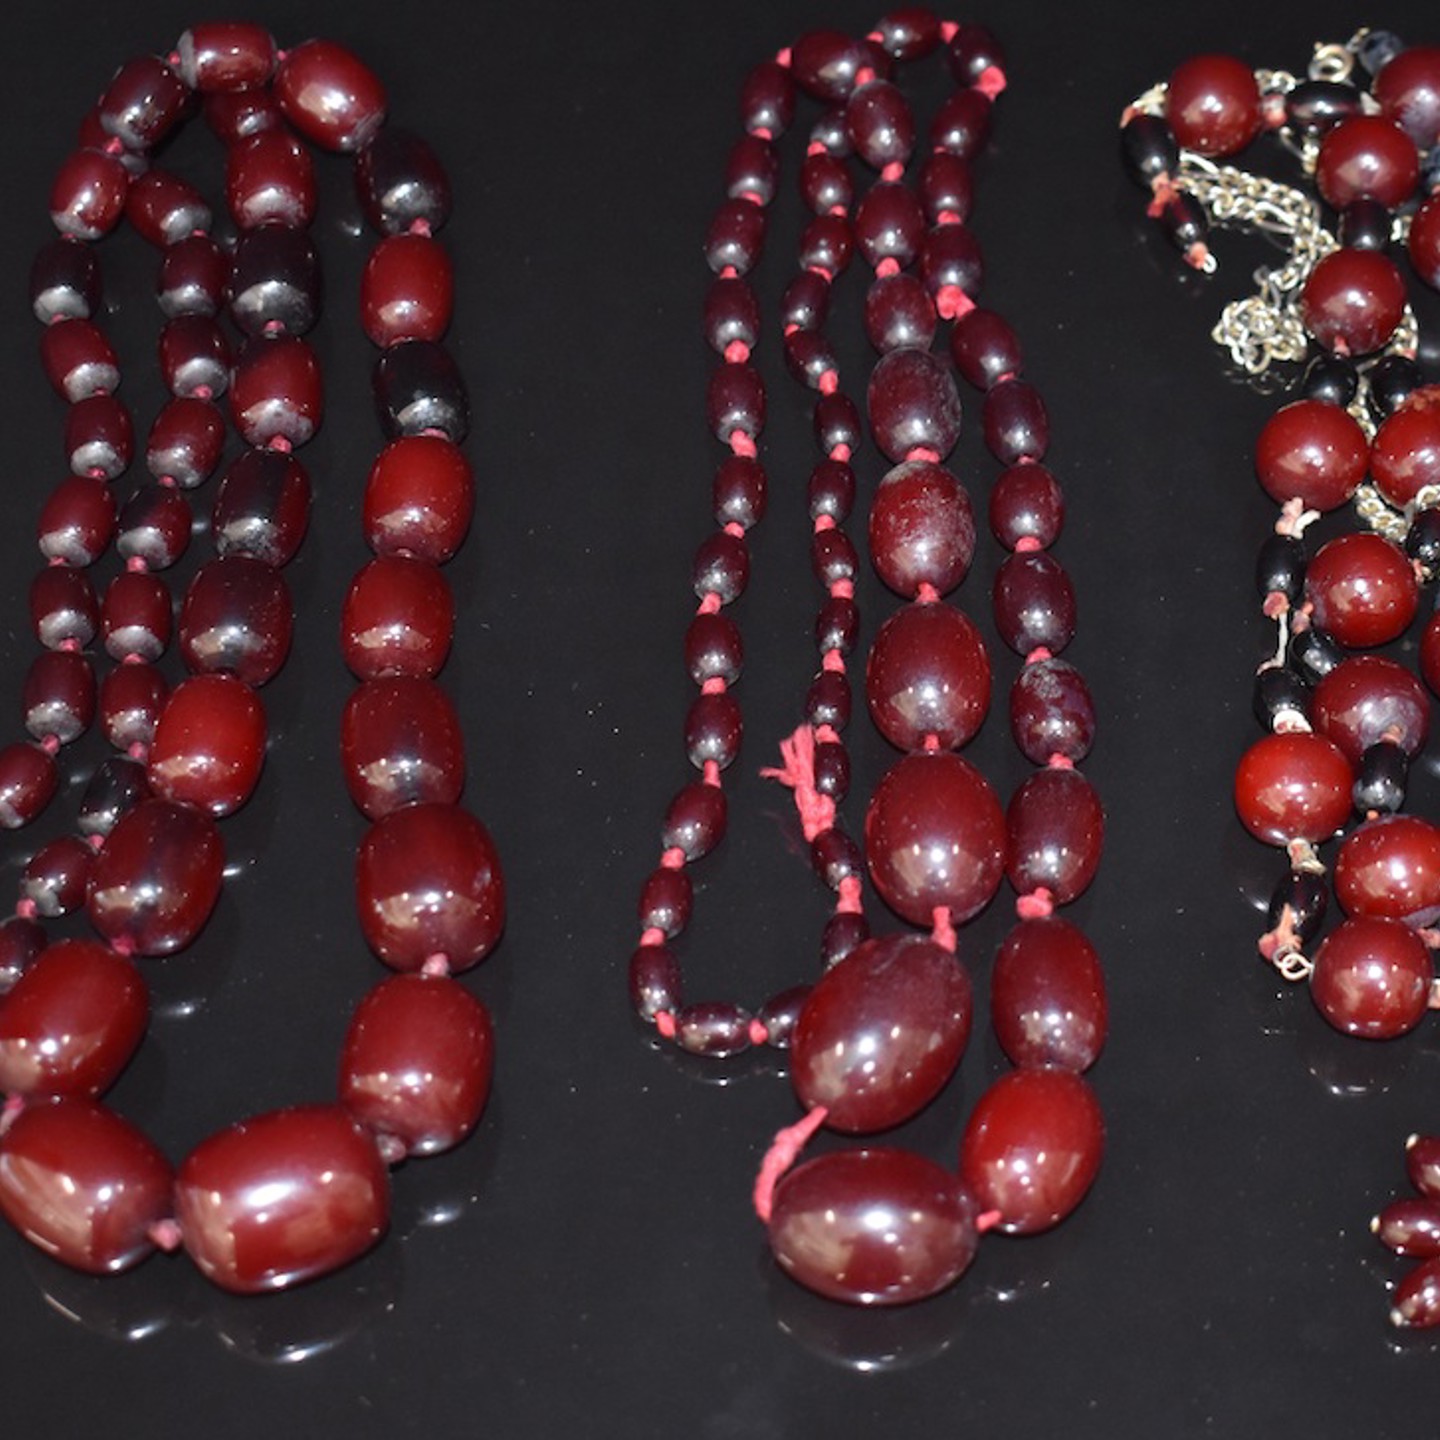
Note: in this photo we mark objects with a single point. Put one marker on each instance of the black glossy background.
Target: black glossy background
(588, 1265)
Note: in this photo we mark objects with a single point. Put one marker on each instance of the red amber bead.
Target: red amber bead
(1213, 104)
(922, 529)
(1430, 653)
(1051, 712)
(63, 609)
(157, 878)
(78, 360)
(1366, 699)
(1422, 1164)
(99, 438)
(873, 1227)
(913, 405)
(427, 883)
(268, 177)
(1417, 1297)
(1390, 867)
(401, 744)
(881, 1033)
(1424, 241)
(131, 698)
(935, 835)
(56, 878)
(1363, 589)
(262, 507)
(277, 392)
(72, 1021)
(1372, 978)
(82, 1184)
(407, 291)
(77, 521)
(329, 95)
(28, 778)
(1047, 996)
(209, 746)
(1409, 1227)
(236, 616)
(88, 196)
(225, 55)
(1367, 158)
(1405, 456)
(185, 442)
(1293, 787)
(1312, 451)
(417, 1062)
(1032, 1148)
(1408, 89)
(1056, 830)
(59, 695)
(135, 618)
(282, 1198)
(398, 619)
(1353, 301)
(418, 499)
(928, 675)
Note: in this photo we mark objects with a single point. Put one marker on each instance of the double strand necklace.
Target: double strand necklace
(878, 1036)
(292, 1194)
(1343, 727)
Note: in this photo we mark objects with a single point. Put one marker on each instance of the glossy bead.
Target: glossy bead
(1047, 996)
(88, 196)
(329, 96)
(837, 625)
(76, 521)
(984, 348)
(1306, 896)
(713, 729)
(1213, 104)
(428, 882)
(1315, 106)
(1032, 1148)
(1408, 89)
(72, 1022)
(55, 879)
(880, 124)
(131, 698)
(21, 941)
(738, 492)
(1331, 379)
(972, 52)
(837, 423)
(832, 557)
(83, 1184)
(826, 245)
(1034, 603)
(1312, 451)
(713, 648)
(185, 442)
(419, 389)
(873, 1227)
(1280, 567)
(826, 64)
(154, 527)
(163, 209)
(1026, 503)
(732, 313)
(408, 290)
(928, 675)
(1372, 978)
(721, 567)
(194, 356)
(417, 1062)
(665, 901)
(898, 313)
(1390, 867)
(1015, 423)
(736, 237)
(655, 981)
(1422, 1164)
(209, 745)
(945, 189)
(961, 124)
(767, 99)
(843, 933)
(269, 177)
(157, 878)
(1294, 786)
(1314, 653)
(1149, 149)
(713, 1027)
(827, 701)
(780, 1014)
(1423, 242)
(281, 1198)
(1380, 779)
(398, 619)
(1184, 221)
(1367, 699)
(142, 102)
(117, 787)
(810, 357)
(1367, 157)
(275, 281)
(825, 184)
(277, 392)
(135, 617)
(78, 360)
(913, 405)
(59, 696)
(695, 821)
(401, 183)
(1362, 589)
(935, 835)
(881, 1033)
(238, 115)
(889, 224)
(418, 499)
(1409, 1227)
(836, 858)
(236, 616)
(1056, 830)
(1365, 225)
(1405, 456)
(401, 743)
(1051, 712)
(64, 281)
(1393, 380)
(831, 491)
(735, 400)
(1278, 696)
(220, 55)
(1417, 1297)
(64, 611)
(907, 34)
(752, 170)
(1353, 301)
(950, 259)
(262, 507)
(1430, 654)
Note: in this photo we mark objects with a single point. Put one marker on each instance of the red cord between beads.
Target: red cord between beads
(817, 811)
(783, 1152)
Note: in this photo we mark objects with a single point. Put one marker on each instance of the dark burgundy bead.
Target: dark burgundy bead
(825, 184)
(238, 115)
(209, 744)
(275, 281)
(712, 730)
(64, 611)
(1047, 996)
(767, 100)
(837, 423)
(117, 787)
(427, 883)
(1365, 225)
(1362, 589)
(398, 619)
(77, 521)
(935, 835)
(1213, 104)
(889, 224)
(417, 1062)
(28, 779)
(64, 281)
(907, 34)
(655, 981)
(400, 744)
(1026, 504)
(880, 124)
(419, 390)
(269, 177)
(738, 492)
(1032, 1148)
(881, 1033)
(185, 442)
(1056, 830)
(695, 820)
(1367, 699)
(972, 51)
(1016, 425)
(961, 124)
(721, 566)
(1410, 1226)
(194, 356)
(277, 392)
(835, 857)
(55, 879)
(281, 1198)
(401, 183)
(142, 103)
(950, 259)
(1372, 978)
(88, 196)
(928, 676)
(154, 526)
(832, 770)
(898, 313)
(913, 405)
(779, 1015)
(713, 648)
(1051, 712)
(1034, 603)
(826, 245)
(78, 360)
(59, 696)
(1424, 241)
(225, 55)
(752, 170)
(666, 900)
(1408, 89)
(164, 209)
(1367, 157)
(1422, 1164)
(1353, 301)
(236, 616)
(136, 617)
(1294, 786)
(84, 1185)
(736, 237)
(1315, 106)
(21, 941)
(735, 401)
(1390, 867)
(833, 557)
(810, 358)
(732, 314)
(329, 95)
(262, 507)
(984, 348)
(1149, 149)
(131, 698)
(156, 878)
(99, 437)
(873, 1227)
(713, 1027)
(831, 491)
(1417, 1297)
(837, 625)
(829, 65)
(1405, 455)
(843, 932)
(827, 701)
(1306, 896)
(945, 189)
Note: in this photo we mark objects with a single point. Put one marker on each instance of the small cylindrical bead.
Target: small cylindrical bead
(58, 697)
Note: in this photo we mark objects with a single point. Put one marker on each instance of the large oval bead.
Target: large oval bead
(209, 744)
(401, 743)
(398, 619)
(881, 1033)
(1056, 830)
(1047, 996)
(922, 529)
(928, 676)
(913, 405)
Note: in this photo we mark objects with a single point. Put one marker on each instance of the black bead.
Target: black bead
(419, 388)
(1184, 220)
(1380, 779)
(1308, 897)
(117, 786)
(1279, 691)
(1315, 653)
(1331, 380)
(1391, 381)
(1280, 566)
(1378, 49)
(400, 182)
(1365, 225)
(1315, 106)
(65, 281)
(1422, 541)
(1149, 149)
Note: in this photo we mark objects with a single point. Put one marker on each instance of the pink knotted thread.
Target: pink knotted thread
(991, 82)
(1162, 192)
(714, 685)
(892, 172)
(782, 57)
(1277, 603)
(665, 1024)
(1057, 761)
(834, 661)
(849, 893)
(737, 352)
(842, 589)
(1039, 904)
(923, 452)
(710, 773)
(10, 1111)
(829, 382)
(951, 302)
(1038, 654)
(1284, 939)
(784, 1150)
(651, 935)
(942, 932)
(840, 452)
(1197, 256)
(1026, 544)
(137, 564)
(888, 266)
(166, 1235)
(926, 594)
(742, 444)
(816, 147)
(948, 30)
(26, 908)
(817, 811)
(824, 522)
(930, 743)
(437, 966)
(50, 744)
(988, 1220)
(280, 443)
(757, 1032)
(672, 859)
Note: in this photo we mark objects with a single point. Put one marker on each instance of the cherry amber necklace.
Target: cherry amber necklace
(288, 1195)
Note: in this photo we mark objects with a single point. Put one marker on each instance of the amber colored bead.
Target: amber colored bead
(735, 400)
(135, 617)
(282, 1197)
(767, 99)
(209, 744)
(78, 360)
(713, 647)
(985, 348)
(738, 492)
(1423, 242)
(1410, 1226)
(721, 567)
(225, 55)
(417, 1062)
(427, 883)
(236, 615)
(401, 743)
(157, 878)
(1367, 157)
(238, 115)
(77, 521)
(1390, 867)
(21, 942)
(881, 1033)
(277, 392)
(418, 499)
(1213, 104)
(945, 188)
(736, 237)
(88, 196)
(881, 127)
(401, 183)
(262, 507)
(1362, 589)
(275, 281)
(269, 176)
(398, 619)
(144, 100)
(1416, 1302)
(825, 184)
(194, 356)
(407, 291)
(1034, 602)
(831, 491)
(836, 423)
(827, 701)
(1047, 996)
(1032, 1148)
(329, 95)
(117, 787)
(1311, 451)
(1295, 786)
(84, 1185)
(1055, 832)
(28, 779)
(873, 1227)
(72, 1022)
(1422, 1164)
(193, 277)
(58, 697)
(827, 245)
(1353, 301)
(780, 1014)
(1372, 978)
(889, 224)
(928, 676)
(898, 313)
(164, 209)
(665, 901)
(64, 611)
(65, 281)
(961, 124)
(99, 437)
(935, 835)
(1408, 89)
(1026, 503)
(972, 51)
(713, 1027)
(1051, 712)
(825, 63)
(154, 526)
(131, 698)
(1405, 456)
(837, 625)
(695, 820)
(913, 404)
(185, 442)
(732, 313)
(1369, 698)
(655, 981)
(713, 730)
(1016, 425)
(752, 170)
(907, 34)
(56, 877)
